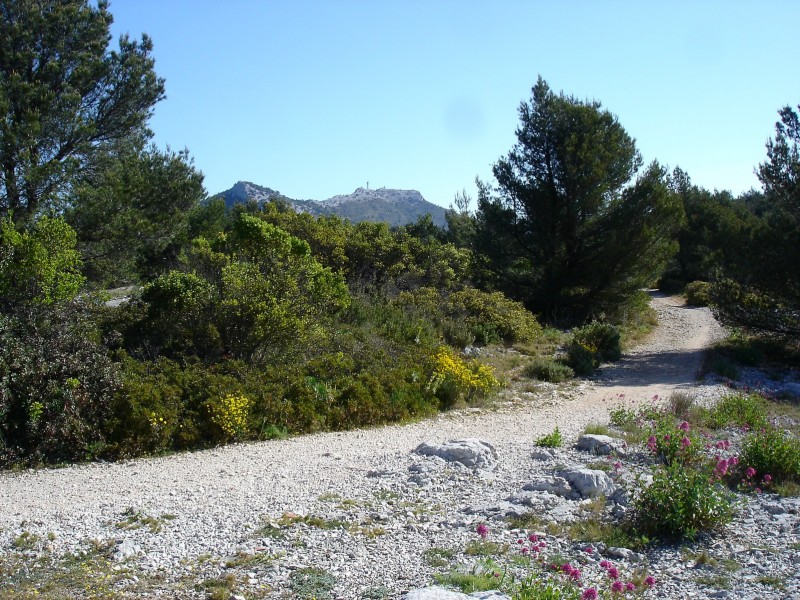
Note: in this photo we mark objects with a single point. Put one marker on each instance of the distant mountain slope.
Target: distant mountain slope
(395, 207)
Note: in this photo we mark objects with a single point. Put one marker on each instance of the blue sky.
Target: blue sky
(316, 98)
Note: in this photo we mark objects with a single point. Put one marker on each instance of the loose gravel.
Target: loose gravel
(362, 506)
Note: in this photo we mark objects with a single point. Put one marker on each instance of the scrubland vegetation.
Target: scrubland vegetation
(259, 322)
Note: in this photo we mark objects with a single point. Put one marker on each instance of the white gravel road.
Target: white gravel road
(219, 497)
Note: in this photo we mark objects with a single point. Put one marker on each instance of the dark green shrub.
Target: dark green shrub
(548, 369)
(745, 349)
(164, 405)
(697, 293)
(493, 316)
(724, 367)
(472, 316)
(682, 502)
(601, 338)
(593, 344)
(56, 385)
(581, 359)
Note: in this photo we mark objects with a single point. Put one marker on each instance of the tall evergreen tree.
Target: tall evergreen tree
(63, 94)
(764, 291)
(566, 231)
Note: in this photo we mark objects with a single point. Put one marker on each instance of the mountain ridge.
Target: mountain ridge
(393, 206)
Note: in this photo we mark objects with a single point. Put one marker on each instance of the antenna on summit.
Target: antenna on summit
(368, 186)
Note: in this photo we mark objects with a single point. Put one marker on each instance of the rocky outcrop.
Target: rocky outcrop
(395, 207)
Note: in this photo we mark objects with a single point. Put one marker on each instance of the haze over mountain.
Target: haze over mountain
(395, 207)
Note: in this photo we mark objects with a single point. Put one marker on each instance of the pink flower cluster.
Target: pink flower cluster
(535, 544)
(617, 585)
(482, 530)
(573, 573)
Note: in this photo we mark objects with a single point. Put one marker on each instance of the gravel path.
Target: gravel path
(219, 500)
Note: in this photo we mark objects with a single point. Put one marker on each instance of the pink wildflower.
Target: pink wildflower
(617, 466)
(655, 396)
(605, 564)
(686, 442)
(589, 594)
(767, 479)
(482, 530)
(533, 538)
(542, 544)
(722, 467)
(617, 587)
(750, 472)
(613, 572)
(588, 549)
(684, 426)
(651, 443)
(733, 460)
(650, 581)
(524, 550)
(630, 586)
(575, 574)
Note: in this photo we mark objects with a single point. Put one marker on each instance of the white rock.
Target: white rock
(601, 444)
(470, 452)
(590, 483)
(548, 483)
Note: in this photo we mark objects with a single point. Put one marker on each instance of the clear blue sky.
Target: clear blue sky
(315, 98)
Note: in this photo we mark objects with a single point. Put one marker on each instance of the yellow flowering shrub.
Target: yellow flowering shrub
(454, 378)
(230, 414)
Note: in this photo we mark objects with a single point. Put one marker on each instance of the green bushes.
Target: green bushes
(548, 369)
(56, 381)
(40, 266)
(736, 409)
(774, 453)
(681, 502)
(472, 316)
(592, 345)
(697, 293)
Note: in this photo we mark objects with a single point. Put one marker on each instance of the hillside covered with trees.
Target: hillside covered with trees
(257, 321)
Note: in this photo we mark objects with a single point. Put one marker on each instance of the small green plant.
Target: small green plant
(680, 404)
(551, 440)
(774, 581)
(25, 541)
(772, 453)
(596, 429)
(312, 583)
(438, 557)
(740, 410)
(376, 593)
(485, 548)
(716, 580)
(220, 588)
(135, 519)
(626, 419)
(548, 369)
(485, 575)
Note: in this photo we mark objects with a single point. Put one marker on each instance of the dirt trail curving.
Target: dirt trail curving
(288, 475)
